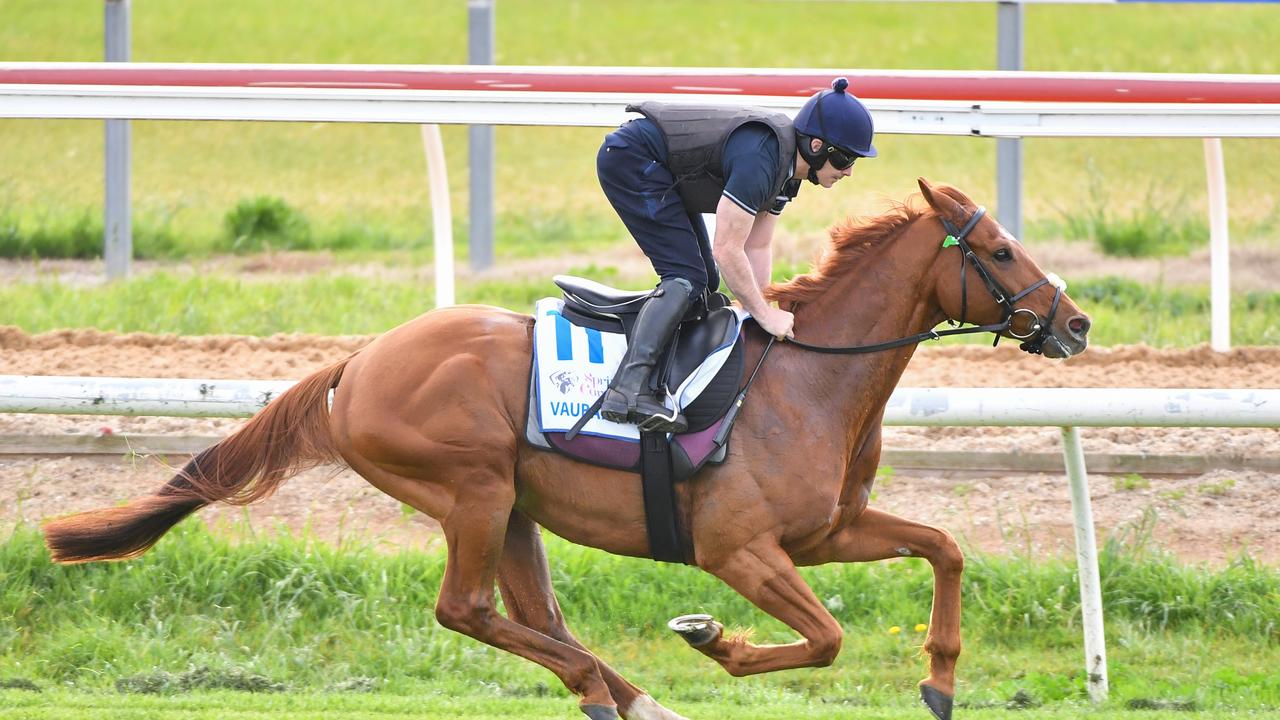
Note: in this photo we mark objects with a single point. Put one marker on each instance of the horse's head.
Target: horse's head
(984, 275)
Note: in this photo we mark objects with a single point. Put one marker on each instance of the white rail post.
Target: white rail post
(1219, 248)
(441, 214)
(1095, 643)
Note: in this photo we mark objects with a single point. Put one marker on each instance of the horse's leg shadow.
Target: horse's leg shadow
(525, 582)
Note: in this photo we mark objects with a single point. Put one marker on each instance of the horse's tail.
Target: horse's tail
(289, 435)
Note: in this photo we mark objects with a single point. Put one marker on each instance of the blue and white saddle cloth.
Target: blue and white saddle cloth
(573, 366)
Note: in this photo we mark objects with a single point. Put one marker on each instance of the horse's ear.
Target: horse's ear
(941, 202)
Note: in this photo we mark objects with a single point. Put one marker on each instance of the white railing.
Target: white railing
(985, 104)
(999, 407)
(1067, 408)
(991, 104)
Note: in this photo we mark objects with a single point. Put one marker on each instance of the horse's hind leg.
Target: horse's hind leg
(475, 530)
(877, 535)
(525, 581)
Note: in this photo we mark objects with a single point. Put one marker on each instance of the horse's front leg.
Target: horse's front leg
(876, 535)
(762, 572)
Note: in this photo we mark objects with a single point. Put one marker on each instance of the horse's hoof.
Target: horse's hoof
(600, 712)
(938, 703)
(697, 630)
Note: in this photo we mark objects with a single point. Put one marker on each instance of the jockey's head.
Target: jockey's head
(833, 130)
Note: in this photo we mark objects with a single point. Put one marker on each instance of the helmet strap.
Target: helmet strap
(815, 160)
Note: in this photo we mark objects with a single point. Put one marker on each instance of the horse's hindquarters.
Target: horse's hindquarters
(436, 402)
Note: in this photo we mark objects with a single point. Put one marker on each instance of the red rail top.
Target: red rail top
(899, 85)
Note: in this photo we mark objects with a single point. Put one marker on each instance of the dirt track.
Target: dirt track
(1208, 517)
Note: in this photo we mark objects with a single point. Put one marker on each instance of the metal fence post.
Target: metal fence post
(1095, 642)
(480, 45)
(1009, 150)
(117, 226)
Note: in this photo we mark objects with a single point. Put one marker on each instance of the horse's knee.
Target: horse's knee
(463, 615)
(945, 555)
(826, 646)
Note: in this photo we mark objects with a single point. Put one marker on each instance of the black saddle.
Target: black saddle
(589, 300)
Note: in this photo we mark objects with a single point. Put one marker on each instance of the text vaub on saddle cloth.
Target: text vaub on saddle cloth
(573, 366)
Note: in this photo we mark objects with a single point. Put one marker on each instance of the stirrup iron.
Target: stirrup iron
(657, 421)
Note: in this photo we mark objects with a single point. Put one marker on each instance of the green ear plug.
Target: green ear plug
(948, 241)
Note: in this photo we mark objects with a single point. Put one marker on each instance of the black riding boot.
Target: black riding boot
(628, 398)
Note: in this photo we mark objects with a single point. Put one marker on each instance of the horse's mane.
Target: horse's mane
(850, 242)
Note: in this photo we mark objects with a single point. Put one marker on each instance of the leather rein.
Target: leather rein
(1032, 341)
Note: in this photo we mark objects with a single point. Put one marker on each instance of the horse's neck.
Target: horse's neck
(888, 296)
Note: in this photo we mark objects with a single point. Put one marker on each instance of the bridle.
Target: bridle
(1032, 341)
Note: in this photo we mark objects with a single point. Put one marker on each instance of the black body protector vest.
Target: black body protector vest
(696, 135)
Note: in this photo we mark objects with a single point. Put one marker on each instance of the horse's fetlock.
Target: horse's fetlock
(582, 675)
(940, 650)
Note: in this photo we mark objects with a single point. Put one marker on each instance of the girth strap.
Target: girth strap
(662, 521)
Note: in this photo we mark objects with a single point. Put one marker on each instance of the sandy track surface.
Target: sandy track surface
(1210, 517)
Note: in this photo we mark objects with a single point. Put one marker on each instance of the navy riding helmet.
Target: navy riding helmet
(843, 124)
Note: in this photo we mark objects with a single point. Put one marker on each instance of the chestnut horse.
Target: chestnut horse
(433, 412)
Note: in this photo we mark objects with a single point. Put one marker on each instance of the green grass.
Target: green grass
(201, 613)
(1160, 225)
(65, 705)
(1123, 311)
(188, 175)
(217, 304)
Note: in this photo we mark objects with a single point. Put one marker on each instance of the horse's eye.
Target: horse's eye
(1003, 255)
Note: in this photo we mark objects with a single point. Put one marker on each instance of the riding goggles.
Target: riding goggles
(841, 159)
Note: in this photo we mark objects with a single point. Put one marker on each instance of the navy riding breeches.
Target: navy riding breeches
(642, 191)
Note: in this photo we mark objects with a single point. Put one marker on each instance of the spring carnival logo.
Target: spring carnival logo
(580, 383)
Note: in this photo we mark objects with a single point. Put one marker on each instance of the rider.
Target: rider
(661, 171)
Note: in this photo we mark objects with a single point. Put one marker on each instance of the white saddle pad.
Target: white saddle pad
(573, 366)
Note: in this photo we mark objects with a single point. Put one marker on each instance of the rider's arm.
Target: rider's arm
(759, 248)
(745, 222)
(733, 227)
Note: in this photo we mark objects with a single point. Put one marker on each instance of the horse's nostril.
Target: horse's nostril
(1078, 325)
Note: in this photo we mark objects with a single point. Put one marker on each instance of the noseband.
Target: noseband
(1033, 340)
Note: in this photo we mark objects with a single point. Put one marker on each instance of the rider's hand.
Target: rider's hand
(778, 323)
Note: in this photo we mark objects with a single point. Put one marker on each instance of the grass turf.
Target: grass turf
(205, 304)
(64, 705)
(367, 181)
(289, 615)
